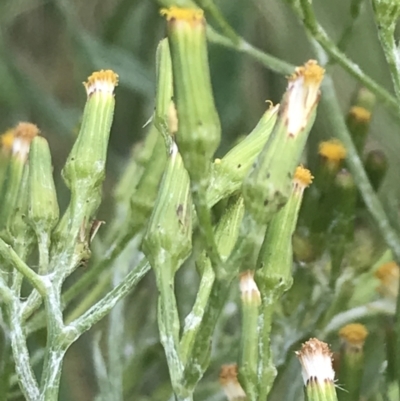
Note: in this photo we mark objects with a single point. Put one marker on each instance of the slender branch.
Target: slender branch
(112, 253)
(91, 297)
(205, 224)
(355, 10)
(6, 295)
(386, 20)
(376, 308)
(9, 255)
(89, 278)
(210, 8)
(194, 318)
(26, 377)
(103, 307)
(317, 32)
(271, 62)
(58, 342)
(116, 333)
(100, 368)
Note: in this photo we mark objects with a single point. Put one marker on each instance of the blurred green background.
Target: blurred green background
(49, 47)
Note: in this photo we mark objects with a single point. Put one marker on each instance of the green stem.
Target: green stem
(35, 299)
(6, 295)
(386, 28)
(209, 7)
(195, 317)
(249, 354)
(44, 245)
(26, 377)
(267, 371)
(51, 383)
(10, 256)
(6, 365)
(348, 31)
(36, 357)
(168, 323)
(199, 358)
(372, 309)
(271, 62)
(110, 256)
(38, 321)
(199, 195)
(116, 330)
(93, 296)
(317, 32)
(58, 341)
(103, 307)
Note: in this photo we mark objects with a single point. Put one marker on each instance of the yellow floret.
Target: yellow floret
(310, 71)
(7, 139)
(187, 14)
(303, 176)
(360, 114)
(332, 150)
(354, 334)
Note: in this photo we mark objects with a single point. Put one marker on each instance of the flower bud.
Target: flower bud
(43, 206)
(351, 360)
(23, 135)
(318, 375)
(376, 166)
(268, 185)
(199, 129)
(86, 162)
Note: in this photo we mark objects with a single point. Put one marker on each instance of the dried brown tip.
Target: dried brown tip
(316, 360)
(103, 81)
(26, 131)
(302, 96)
(23, 136)
(248, 288)
(230, 384)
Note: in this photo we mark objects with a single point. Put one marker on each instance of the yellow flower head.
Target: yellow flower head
(354, 335)
(303, 177)
(7, 139)
(333, 150)
(388, 275)
(185, 14)
(360, 114)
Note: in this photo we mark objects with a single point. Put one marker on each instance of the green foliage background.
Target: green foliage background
(48, 47)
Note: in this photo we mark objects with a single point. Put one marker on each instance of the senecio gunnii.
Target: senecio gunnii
(244, 225)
